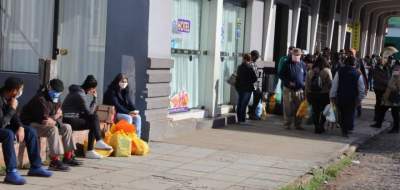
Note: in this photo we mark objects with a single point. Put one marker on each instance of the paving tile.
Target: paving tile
(240, 187)
(199, 168)
(194, 152)
(184, 172)
(224, 177)
(235, 172)
(203, 184)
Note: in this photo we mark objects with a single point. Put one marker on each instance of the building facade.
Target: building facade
(178, 54)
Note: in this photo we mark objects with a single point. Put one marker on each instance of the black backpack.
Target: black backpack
(316, 82)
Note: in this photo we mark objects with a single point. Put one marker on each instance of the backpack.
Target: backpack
(316, 82)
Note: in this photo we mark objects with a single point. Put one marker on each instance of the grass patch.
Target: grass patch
(322, 175)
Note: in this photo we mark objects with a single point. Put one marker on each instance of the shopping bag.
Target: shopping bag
(271, 104)
(278, 92)
(123, 126)
(121, 143)
(139, 147)
(303, 110)
(329, 113)
(259, 109)
(264, 114)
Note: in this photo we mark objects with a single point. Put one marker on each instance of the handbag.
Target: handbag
(232, 79)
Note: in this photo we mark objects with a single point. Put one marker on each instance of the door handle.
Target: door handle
(61, 51)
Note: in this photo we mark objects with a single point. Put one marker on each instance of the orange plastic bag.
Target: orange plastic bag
(303, 110)
(124, 126)
(139, 147)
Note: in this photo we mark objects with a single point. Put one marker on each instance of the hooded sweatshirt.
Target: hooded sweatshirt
(78, 103)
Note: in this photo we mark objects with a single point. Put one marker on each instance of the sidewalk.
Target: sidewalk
(260, 155)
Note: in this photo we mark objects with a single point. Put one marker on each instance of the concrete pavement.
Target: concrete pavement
(258, 155)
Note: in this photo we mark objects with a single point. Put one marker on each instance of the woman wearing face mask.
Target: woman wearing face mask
(118, 95)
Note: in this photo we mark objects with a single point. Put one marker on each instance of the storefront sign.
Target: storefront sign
(356, 30)
(179, 102)
(183, 25)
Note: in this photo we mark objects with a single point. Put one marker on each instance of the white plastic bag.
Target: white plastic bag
(329, 113)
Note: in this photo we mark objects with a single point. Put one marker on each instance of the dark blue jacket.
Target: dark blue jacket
(120, 99)
(347, 92)
(293, 72)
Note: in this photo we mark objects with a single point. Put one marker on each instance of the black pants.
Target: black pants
(257, 96)
(90, 122)
(346, 116)
(395, 116)
(318, 103)
(378, 103)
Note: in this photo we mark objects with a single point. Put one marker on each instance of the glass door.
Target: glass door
(82, 32)
(232, 43)
(185, 47)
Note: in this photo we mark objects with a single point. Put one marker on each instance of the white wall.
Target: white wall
(254, 25)
(160, 32)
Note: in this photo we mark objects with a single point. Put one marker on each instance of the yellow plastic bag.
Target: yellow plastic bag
(105, 153)
(139, 147)
(303, 110)
(121, 143)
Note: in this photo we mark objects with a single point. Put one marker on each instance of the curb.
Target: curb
(345, 151)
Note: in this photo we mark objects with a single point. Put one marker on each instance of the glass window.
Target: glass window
(26, 34)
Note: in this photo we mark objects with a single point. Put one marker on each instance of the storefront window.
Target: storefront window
(232, 39)
(26, 34)
(185, 45)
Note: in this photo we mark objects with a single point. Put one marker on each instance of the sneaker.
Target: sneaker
(102, 145)
(91, 154)
(57, 165)
(14, 178)
(72, 162)
(39, 172)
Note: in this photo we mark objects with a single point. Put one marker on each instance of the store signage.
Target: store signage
(183, 25)
(179, 102)
(356, 32)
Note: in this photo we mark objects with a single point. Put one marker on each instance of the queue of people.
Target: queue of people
(340, 79)
(45, 115)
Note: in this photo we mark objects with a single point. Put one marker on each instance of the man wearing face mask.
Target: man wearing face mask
(43, 112)
(293, 75)
(11, 127)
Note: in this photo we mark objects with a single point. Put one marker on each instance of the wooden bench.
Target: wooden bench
(106, 117)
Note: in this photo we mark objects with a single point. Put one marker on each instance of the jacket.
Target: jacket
(77, 103)
(295, 73)
(8, 115)
(348, 86)
(246, 77)
(39, 108)
(326, 80)
(392, 87)
(381, 75)
(120, 99)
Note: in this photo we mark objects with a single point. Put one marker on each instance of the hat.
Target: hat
(297, 52)
(57, 85)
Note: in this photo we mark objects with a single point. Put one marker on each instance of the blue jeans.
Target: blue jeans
(244, 98)
(7, 136)
(137, 121)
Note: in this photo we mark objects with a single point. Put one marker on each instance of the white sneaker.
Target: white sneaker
(102, 145)
(91, 154)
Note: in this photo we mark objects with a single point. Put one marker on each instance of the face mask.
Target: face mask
(123, 85)
(295, 59)
(396, 73)
(55, 96)
(19, 94)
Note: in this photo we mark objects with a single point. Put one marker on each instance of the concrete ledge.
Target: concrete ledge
(192, 114)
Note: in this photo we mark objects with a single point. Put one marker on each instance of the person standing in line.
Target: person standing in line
(257, 93)
(347, 92)
(381, 75)
(246, 77)
(293, 75)
(318, 85)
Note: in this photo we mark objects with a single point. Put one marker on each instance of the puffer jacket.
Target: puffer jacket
(393, 87)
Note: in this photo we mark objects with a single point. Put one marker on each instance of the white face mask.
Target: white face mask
(123, 85)
(19, 94)
(396, 73)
